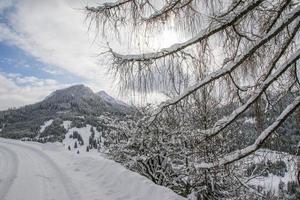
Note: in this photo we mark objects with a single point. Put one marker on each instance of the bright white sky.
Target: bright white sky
(45, 45)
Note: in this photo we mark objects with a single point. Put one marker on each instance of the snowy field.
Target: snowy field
(33, 171)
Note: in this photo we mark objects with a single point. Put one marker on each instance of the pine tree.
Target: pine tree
(80, 140)
(95, 144)
(90, 141)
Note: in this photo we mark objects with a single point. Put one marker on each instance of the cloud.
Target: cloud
(53, 31)
(17, 90)
(52, 71)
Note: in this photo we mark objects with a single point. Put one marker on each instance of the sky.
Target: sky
(45, 45)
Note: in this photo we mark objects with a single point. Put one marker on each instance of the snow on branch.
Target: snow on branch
(231, 8)
(167, 8)
(107, 6)
(204, 34)
(231, 66)
(284, 6)
(239, 154)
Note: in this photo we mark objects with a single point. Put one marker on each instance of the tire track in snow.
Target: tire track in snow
(46, 162)
(8, 169)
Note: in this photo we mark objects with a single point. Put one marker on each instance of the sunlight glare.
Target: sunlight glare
(164, 39)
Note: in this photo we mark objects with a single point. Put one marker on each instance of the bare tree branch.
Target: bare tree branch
(232, 65)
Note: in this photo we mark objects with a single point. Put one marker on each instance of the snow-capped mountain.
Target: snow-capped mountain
(77, 101)
(82, 99)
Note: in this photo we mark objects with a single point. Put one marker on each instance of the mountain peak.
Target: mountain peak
(109, 99)
(76, 88)
(102, 92)
(82, 98)
(72, 91)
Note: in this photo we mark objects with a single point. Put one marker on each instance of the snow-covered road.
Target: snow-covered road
(27, 173)
(31, 171)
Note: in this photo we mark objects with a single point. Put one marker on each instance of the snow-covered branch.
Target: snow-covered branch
(107, 6)
(169, 7)
(239, 154)
(284, 6)
(204, 34)
(224, 122)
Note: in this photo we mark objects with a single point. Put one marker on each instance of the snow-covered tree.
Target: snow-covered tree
(236, 57)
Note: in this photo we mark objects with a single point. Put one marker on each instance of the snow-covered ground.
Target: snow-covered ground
(85, 132)
(32, 171)
(45, 125)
